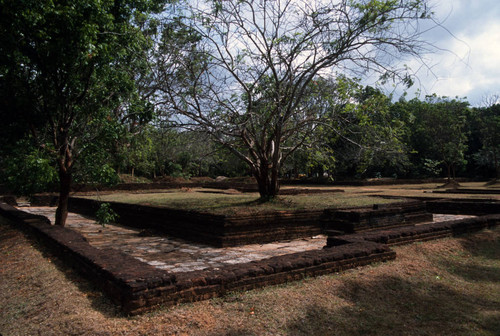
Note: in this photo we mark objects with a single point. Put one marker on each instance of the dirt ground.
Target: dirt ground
(444, 287)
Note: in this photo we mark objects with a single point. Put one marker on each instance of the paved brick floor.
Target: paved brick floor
(177, 255)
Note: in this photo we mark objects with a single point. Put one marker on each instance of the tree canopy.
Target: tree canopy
(247, 67)
(68, 71)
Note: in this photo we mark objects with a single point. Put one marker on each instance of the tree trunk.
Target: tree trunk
(267, 181)
(64, 190)
(497, 166)
(448, 166)
(65, 164)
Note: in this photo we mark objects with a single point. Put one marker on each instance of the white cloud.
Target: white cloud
(470, 63)
(474, 65)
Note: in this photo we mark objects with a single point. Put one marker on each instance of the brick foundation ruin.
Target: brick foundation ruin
(234, 230)
(138, 287)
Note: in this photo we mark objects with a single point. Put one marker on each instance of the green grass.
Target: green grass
(227, 203)
(221, 203)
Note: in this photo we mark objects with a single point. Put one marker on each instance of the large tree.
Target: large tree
(68, 69)
(243, 68)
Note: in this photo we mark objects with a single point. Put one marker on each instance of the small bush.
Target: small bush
(105, 214)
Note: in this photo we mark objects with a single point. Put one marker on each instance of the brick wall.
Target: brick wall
(234, 230)
(413, 233)
(138, 287)
(215, 230)
(377, 217)
(464, 207)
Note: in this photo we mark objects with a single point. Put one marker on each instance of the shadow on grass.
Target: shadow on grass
(480, 262)
(98, 300)
(394, 306)
(474, 272)
(492, 323)
(483, 244)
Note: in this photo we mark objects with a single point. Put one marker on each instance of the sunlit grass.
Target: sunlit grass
(222, 203)
(226, 202)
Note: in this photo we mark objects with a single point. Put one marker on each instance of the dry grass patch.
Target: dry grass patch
(449, 286)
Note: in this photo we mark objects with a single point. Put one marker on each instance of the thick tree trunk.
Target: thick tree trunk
(64, 190)
(497, 166)
(65, 163)
(268, 183)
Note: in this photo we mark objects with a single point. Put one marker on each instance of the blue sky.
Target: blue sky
(469, 65)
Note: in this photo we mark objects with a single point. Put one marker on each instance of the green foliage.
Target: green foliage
(173, 169)
(95, 160)
(361, 134)
(69, 68)
(29, 170)
(431, 167)
(439, 130)
(105, 214)
(76, 76)
(488, 120)
(139, 152)
(92, 173)
(162, 150)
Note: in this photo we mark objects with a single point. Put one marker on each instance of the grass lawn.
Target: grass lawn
(445, 287)
(232, 202)
(216, 201)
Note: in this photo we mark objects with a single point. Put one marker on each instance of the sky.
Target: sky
(468, 64)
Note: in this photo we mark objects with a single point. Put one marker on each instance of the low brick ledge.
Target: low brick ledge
(413, 233)
(477, 207)
(138, 287)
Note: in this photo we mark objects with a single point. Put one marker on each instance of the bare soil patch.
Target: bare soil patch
(449, 286)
